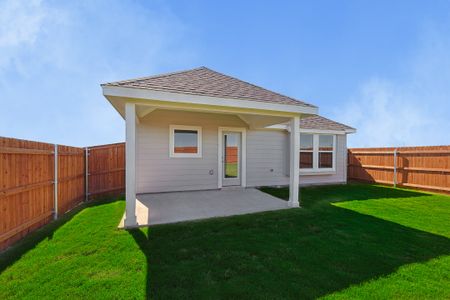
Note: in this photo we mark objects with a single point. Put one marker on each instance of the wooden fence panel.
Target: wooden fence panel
(26, 187)
(417, 167)
(71, 177)
(27, 182)
(106, 170)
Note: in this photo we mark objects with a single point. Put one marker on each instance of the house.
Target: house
(201, 130)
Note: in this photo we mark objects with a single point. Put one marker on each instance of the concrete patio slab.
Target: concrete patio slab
(163, 208)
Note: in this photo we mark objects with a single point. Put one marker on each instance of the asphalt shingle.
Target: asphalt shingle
(321, 123)
(206, 82)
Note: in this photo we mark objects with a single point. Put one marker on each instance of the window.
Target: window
(306, 151)
(317, 152)
(326, 151)
(185, 141)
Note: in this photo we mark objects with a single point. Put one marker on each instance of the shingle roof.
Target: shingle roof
(206, 82)
(321, 123)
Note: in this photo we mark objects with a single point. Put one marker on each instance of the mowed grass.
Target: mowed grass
(355, 241)
(231, 170)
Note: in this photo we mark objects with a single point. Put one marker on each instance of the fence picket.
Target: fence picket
(418, 167)
(38, 181)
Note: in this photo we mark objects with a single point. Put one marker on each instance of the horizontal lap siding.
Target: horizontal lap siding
(157, 172)
(267, 151)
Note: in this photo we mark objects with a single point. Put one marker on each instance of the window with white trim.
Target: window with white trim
(185, 141)
(317, 152)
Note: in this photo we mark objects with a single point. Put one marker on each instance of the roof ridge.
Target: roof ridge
(154, 76)
(260, 87)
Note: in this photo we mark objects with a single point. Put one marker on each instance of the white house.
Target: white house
(201, 130)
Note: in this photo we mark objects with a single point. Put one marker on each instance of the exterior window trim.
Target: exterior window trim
(172, 153)
(315, 151)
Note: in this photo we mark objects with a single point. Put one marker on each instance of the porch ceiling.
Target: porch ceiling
(253, 121)
(253, 118)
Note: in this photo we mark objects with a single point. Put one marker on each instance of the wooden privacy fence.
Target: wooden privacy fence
(417, 167)
(39, 181)
(106, 166)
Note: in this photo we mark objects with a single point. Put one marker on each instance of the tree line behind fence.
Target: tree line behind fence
(416, 167)
(40, 181)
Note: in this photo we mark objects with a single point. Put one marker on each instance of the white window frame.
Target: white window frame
(172, 153)
(315, 169)
(243, 132)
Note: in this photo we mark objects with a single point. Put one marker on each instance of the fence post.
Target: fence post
(395, 167)
(86, 177)
(55, 153)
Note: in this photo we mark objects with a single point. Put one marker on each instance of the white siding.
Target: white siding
(267, 155)
(157, 172)
(269, 150)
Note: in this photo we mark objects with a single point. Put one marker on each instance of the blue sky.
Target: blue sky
(380, 66)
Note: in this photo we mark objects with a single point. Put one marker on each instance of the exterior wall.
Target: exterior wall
(156, 172)
(267, 155)
(268, 160)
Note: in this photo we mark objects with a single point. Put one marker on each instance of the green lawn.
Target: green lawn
(355, 241)
(231, 170)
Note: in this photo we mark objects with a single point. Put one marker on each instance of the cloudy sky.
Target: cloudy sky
(382, 67)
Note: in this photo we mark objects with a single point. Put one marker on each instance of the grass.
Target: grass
(355, 241)
(231, 170)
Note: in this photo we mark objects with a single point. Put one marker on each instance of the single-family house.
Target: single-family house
(201, 130)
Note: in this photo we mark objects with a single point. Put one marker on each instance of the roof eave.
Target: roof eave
(314, 130)
(148, 94)
(326, 131)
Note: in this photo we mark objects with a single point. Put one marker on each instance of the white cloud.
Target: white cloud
(20, 22)
(408, 112)
(54, 55)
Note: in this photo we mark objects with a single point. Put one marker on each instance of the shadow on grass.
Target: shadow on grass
(144, 244)
(306, 253)
(10, 255)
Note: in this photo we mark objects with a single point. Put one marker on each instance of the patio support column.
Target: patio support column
(294, 162)
(130, 163)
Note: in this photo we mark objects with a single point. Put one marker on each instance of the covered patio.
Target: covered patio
(163, 208)
(217, 110)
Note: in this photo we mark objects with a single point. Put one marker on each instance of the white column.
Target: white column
(294, 162)
(130, 162)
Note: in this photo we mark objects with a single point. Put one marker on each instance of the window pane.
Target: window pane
(306, 141)
(325, 143)
(231, 161)
(185, 141)
(325, 160)
(306, 160)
